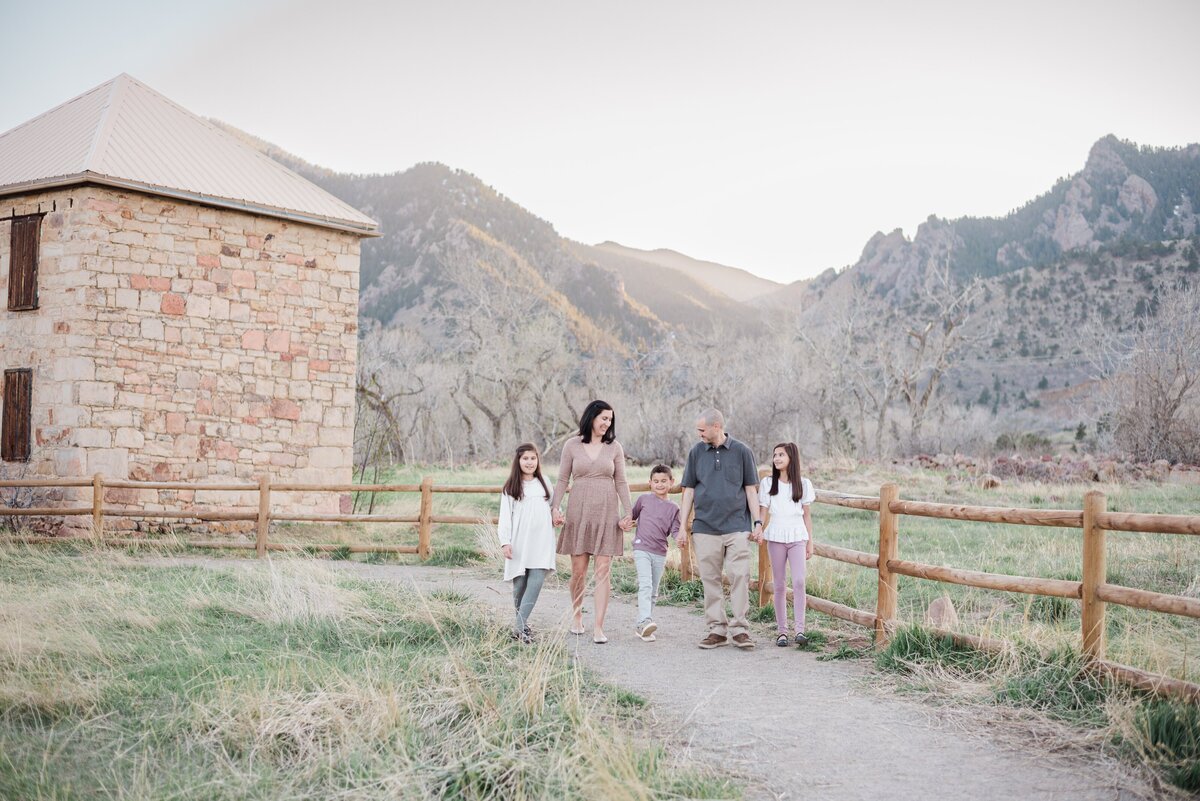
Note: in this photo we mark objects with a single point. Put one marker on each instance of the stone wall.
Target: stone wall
(176, 341)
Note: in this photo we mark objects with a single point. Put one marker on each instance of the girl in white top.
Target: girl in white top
(526, 533)
(786, 495)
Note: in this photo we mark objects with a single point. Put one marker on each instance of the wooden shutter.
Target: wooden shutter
(23, 263)
(18, 408)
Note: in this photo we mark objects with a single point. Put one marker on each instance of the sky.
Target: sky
(773, 136)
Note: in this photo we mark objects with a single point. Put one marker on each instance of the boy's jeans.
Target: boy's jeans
(649, 572)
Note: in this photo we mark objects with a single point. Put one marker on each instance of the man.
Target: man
(721, 479)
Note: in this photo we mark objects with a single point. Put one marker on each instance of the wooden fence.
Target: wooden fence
(1093, 591)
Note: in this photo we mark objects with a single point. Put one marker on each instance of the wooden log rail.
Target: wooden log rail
(1093, 591)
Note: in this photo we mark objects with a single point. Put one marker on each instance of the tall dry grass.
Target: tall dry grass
(286, 679)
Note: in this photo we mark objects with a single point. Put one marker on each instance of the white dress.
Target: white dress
(787, 516)
(527, 526)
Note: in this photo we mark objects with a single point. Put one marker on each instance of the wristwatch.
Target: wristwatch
(758, 522)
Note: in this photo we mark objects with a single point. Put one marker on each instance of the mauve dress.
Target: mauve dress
(598, 495)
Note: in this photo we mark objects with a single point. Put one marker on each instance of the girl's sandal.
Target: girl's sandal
(782, 641)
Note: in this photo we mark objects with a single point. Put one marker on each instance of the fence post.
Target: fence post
(98, 507)
(425, 526)
(1095, 573)
(264, 514)
(889, 530)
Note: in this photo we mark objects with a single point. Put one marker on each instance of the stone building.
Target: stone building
(179, 306)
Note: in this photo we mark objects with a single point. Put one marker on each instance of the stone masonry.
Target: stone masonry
(176, 341)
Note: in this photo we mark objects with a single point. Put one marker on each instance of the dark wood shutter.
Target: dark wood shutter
(18, 409)
(23, 263)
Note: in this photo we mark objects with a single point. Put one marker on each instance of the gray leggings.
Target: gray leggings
(526, 589)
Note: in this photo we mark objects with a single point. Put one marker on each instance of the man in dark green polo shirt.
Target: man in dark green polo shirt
(721, 479)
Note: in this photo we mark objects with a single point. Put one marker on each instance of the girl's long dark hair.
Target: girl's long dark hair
(793, 471)
(515, 486)
(590, 414)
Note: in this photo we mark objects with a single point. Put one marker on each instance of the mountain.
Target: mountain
(734, 282)
(1125, 194)
(672, 295)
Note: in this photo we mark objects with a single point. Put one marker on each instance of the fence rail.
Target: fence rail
(1093, 591)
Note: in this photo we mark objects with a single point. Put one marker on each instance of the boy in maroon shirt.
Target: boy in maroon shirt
(657, 521)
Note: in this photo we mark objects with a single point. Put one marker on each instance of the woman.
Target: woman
(593, 463)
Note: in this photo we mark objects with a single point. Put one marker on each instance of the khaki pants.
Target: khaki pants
(731, 553)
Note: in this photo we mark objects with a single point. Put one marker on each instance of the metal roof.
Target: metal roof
(126, 135)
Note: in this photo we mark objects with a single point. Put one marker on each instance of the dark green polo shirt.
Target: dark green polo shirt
(720, 475)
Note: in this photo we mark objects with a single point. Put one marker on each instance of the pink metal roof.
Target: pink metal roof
(124, 134)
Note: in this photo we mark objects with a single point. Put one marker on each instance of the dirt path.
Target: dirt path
(787, 725)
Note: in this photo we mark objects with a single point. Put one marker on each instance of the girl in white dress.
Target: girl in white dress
(786, 495)
(526, 533)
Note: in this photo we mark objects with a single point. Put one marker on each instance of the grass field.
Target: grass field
(267, 682)
(122, 680)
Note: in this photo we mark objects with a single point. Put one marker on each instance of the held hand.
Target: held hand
(626, 523)
(682, 539)
(808, 550)
(558, 518)
(507, 551)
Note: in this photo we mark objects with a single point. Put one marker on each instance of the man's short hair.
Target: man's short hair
(712, 417)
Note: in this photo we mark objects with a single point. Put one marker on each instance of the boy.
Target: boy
(657, 519)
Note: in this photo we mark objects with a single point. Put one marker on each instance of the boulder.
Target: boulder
(941, 614)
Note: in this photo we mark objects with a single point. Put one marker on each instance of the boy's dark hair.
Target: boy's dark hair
(662, 468)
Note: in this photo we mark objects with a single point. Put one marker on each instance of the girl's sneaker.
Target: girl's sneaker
(646, 631)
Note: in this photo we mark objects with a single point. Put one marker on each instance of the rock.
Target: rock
(1137, 195)
(941, 614)
(987, 481)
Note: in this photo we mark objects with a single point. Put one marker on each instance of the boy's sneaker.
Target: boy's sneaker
(646, 630)
(714, 641)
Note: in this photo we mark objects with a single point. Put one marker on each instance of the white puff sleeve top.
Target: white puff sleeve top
(787, 516)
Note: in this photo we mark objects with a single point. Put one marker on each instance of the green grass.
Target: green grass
(1164, 734)
(287, 679)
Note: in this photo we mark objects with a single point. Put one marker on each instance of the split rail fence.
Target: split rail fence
(1093, 591)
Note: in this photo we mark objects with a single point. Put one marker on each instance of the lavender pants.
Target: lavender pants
(783, 553)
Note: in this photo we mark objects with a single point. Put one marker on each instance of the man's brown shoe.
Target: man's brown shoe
(743, 640)
(714, 641)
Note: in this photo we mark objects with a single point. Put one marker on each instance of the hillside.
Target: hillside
(734, 282)
(674, 296)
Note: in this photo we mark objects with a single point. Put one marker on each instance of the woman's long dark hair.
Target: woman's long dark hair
(590, 414)
(515, 486)
(793, 471)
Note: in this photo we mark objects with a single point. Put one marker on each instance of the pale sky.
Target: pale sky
(772, 136)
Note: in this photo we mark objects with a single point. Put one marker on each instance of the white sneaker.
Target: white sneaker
(646, 632)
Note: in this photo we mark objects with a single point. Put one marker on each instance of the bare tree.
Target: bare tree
(1151, 380)
(933, 338)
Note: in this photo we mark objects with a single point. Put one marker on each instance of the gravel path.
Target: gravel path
(786, 725)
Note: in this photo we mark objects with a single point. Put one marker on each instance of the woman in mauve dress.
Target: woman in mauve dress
(598, 508)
